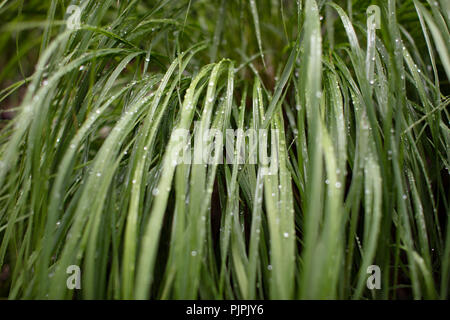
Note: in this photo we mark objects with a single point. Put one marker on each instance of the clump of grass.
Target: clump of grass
(86, 176)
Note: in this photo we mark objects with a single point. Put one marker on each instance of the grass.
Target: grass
(86, 145)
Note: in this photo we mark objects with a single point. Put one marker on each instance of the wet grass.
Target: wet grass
(86, 171)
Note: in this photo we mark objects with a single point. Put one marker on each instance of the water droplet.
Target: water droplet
(155, 192)
(193, 253)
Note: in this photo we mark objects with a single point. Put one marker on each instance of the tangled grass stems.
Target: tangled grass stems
(86, 170)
